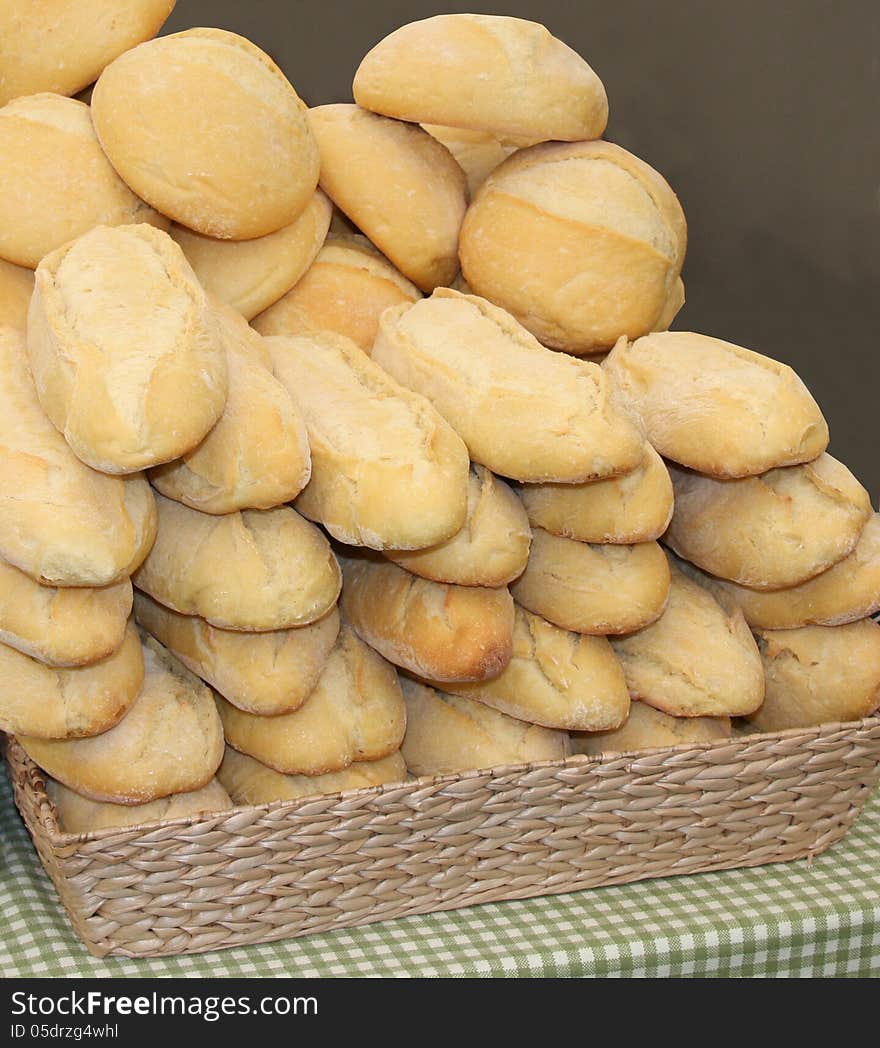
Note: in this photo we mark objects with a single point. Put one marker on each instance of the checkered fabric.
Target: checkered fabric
(790, 919)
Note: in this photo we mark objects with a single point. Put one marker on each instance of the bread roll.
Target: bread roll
(386, 469)
(716, 407)
(61, 522)
(170, 741)
(257, 455)
(447, 733)
(555, 678)
(61, 627)
(486, 72)
(490, 550)
(51, 703)
(697, 660)
(818, 675)
(346, 289)
(441, 632)
(250, 275)
(478, 153)
(206, 128)
(523, 411)
(254, 570)
(633, 507)
(398, 185)
(124, 349)
(59, 46)
(355, 713)
(594, 589)
(773, 531)
(77, 814)
(57, 184)
(647, 729)
(250, 782)
(16, 288)
(582, 243)
(263, 673)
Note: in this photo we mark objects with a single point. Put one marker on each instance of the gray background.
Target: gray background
(762, 115)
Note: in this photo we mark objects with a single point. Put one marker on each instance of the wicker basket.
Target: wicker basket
(291, 868)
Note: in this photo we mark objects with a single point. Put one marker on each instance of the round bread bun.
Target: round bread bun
(648, 729)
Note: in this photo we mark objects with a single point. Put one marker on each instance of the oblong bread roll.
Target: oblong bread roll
(478, 153)
(355, 713)
(598, 589)
(523, 411)
(16, 288)
(387, 470)
(253, 570)
(432, 629)
(647, 729)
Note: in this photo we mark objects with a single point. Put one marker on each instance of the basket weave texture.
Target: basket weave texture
(285, 869)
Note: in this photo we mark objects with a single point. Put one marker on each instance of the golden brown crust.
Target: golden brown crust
(478, 153)
(647, 729)
(16, 288)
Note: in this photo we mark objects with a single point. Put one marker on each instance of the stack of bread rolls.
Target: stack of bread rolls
(376, 406)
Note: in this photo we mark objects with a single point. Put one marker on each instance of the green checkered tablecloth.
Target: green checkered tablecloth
(791, 919)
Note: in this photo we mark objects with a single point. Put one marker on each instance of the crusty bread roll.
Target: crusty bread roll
(487, 72)
(124, 349)
(170, 741)
(633, 507)
(346, 289)
(441, 632)
(581, 242)
(78, 814)
(264, 673)
(355, 713)
(818, 675)
(61, 522)
(59, 46)
(253, 570)
(492, 547)
(206, 128)
(249, 275)
(16, 288)
(52, 703)
(57, 184)
(257, 455)
(250, 782)
(697, 660)
(555, 678)
(598, 589)
(397, 184)
(61, 627)
(447, 733)
(523, 411)
(647, 729)
(716, 407)
(387, 470)
(478, 153)
(769, 532)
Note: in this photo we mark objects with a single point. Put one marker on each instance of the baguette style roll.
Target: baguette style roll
(124, 349)
(170, 741)
(492, 547)
(486, 72)
(257, 455)
(398, 185)
(523, 411)
(61, 522)
(252, 571)
(716, 407)
(447, 733)
(51, 703)
(623, 510)
(16, 288)
(387, 470)
(647, 729)
(263, 673)
(555, 678)
(249, 275)
(478, 153)
(595, 589)
(437, 631)
(773, 531)
(206, 128)
(355, 713)
(250, 782)
(346, 289)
